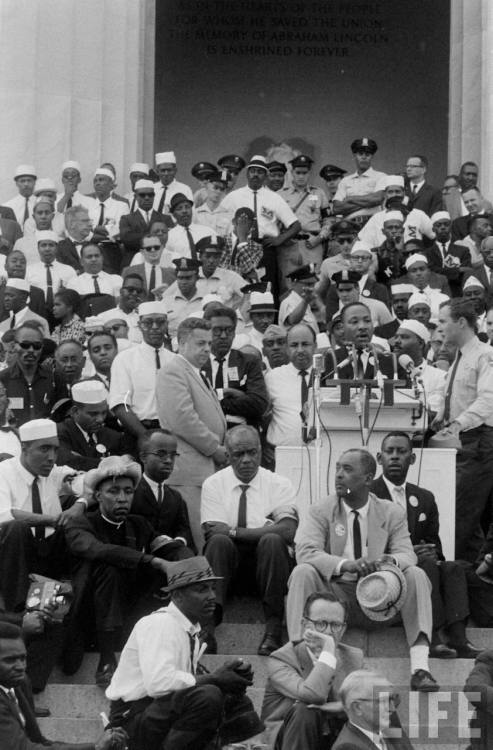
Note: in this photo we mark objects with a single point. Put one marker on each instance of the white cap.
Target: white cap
(151, 308)
(46, 234)
(415, 258)
(71, 165)
(93, 321)
(116, 313)
(393, 216)
(44, 183)
(89, 392)
(24, 170)
(440, 216)
(211, 298)
(402, 289)
(360, 247)
(139, 166)
(262, 301)
(393, 180)
(165, 157)
(417, 298)
(472, 281)
(144, 185)
(418, 328)
(20, 284)
(43, 199)
(105, 172)
(37, 429)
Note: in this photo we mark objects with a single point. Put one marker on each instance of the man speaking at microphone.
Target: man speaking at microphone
(411, 340)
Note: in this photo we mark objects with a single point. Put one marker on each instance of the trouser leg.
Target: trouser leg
(273, 568)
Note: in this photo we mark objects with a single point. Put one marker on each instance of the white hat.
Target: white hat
(25, 170)
(417, 298)
(211, 298)
(402, 289)
(381, 594)
(144, 185)
(394, 179)
(43, 199)
(440, 216)
(262, 302)
(93, 321)
(151, 308)
(46, 234)
(472, 281)
(20, 284)
(258, 161)
(89, 392)
(105, 172)
(361, 247)
(165, 157)
(415, 258)
(112, 466)
(44, 183)
(418, 328)
(139, 166)
(393, 216)
(37, 429)
(71, 165)
(115, 313)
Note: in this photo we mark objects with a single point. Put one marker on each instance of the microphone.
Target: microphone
(318, 364)
(407, 364)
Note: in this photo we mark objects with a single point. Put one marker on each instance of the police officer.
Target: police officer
(360, 193)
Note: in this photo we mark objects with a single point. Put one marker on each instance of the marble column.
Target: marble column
(77, 83)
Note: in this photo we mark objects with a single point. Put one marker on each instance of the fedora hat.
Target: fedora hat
(381, 594)
(189, 571)
(112, 466)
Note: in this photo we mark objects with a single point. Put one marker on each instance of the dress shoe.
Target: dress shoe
(442, 651)
(104, 675)
(41, 712)
(270, 642)
(466, 650)
(423, 682)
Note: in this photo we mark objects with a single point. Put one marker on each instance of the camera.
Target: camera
(46, 593)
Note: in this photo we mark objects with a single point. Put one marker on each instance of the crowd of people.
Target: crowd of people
(156, 348)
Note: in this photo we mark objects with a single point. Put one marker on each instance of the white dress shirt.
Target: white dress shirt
(109, 283)
(270, 497)
(9, 442)
(113, 212)
(271, 209)
(433, 381)
(61, 274)
(156, 659)
(397, 497)
(417, 225)
(284, 388)
(18, 206)
(25, 314)
(172, 189)
(133, 379)
(178, 243)
(78, 199)
(225, 283)
(289, 304)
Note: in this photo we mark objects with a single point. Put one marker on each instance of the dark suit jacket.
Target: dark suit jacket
(133, 227)
(13, 736)
(11, 232)
(385, 363)
(371, 290)
(422, 518)
(351, 738)
(36, 302)
(453, 275)
(459, 228)
(163, 276)
(74, 451)
(427, 199)
(254, 400)
(170, 518)
(7, 213)
(67, 253)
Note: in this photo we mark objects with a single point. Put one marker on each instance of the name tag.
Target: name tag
(16, 402)
(232, 373)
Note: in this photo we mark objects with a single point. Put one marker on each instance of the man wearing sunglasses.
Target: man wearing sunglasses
(301, 695)
(16, 304)
(135, 225)
(153, 274)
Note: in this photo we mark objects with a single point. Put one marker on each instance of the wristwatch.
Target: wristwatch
(232, 533)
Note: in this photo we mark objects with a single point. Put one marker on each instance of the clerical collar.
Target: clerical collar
(112, 523)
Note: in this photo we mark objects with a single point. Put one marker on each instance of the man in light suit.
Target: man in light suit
(189, 408)
(334, 549)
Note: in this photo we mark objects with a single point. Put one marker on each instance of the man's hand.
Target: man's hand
(271, 241)
(425, 552)
(112, 739)
(220, 456)
(33, 623)
(227, 680)
(216, 527)
(75, 511)
(361, 567)
(319, 641)
(332, 707)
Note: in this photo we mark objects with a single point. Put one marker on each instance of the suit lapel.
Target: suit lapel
(412, 511)
(148, 495)
(377, 536)
(77, 438)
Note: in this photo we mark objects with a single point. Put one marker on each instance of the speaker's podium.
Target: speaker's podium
(343, 417)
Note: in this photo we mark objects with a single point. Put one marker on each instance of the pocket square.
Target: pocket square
(422, 517)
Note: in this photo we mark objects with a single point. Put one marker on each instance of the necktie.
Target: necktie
(415, 190)
(193, 643)
(132, 207)
(162, 201)
(160, 494)
(401, 496)
(26, 211)
(448, 394)
(304, 387)
(49, 286)
(191, 243)
(444, 250)
(152, 279)
(12, 321)
(158, 361)
(205, 379)
(255, 230)
(242, 507)
(356, 535)
(360, 370)
(219, 382)
(96, 285)
(39, 531)
(90, 441)
(69, 203)
(15, 704)
(101, 215)
(147, 218)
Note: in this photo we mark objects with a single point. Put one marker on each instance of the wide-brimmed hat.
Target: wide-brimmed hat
(189, 571)
(381, 594)
(113, 466)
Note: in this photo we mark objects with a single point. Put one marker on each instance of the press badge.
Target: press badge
(233, 373)
(16, 402)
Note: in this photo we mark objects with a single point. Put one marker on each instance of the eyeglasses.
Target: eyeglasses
(36, 345)
(322, 625)
(393, 698)
(152, 247)
(150, 323)
(163, 454)
(226, 331)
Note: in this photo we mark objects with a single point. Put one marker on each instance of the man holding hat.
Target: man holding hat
(346, 538)
(210, 212)
(360, 193)
(83, 438)
(182, 239)
(31, 517)
(159, 694)
(106, 212)
(134, 372)
(411, 341)
(71, 195)
(138, 171)
(183, 299)
(169, 185)
(48, 273)
(135, 225)
(297, 306)
(16, 303)
(213, 279)
(23, 203)
(201, 172)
